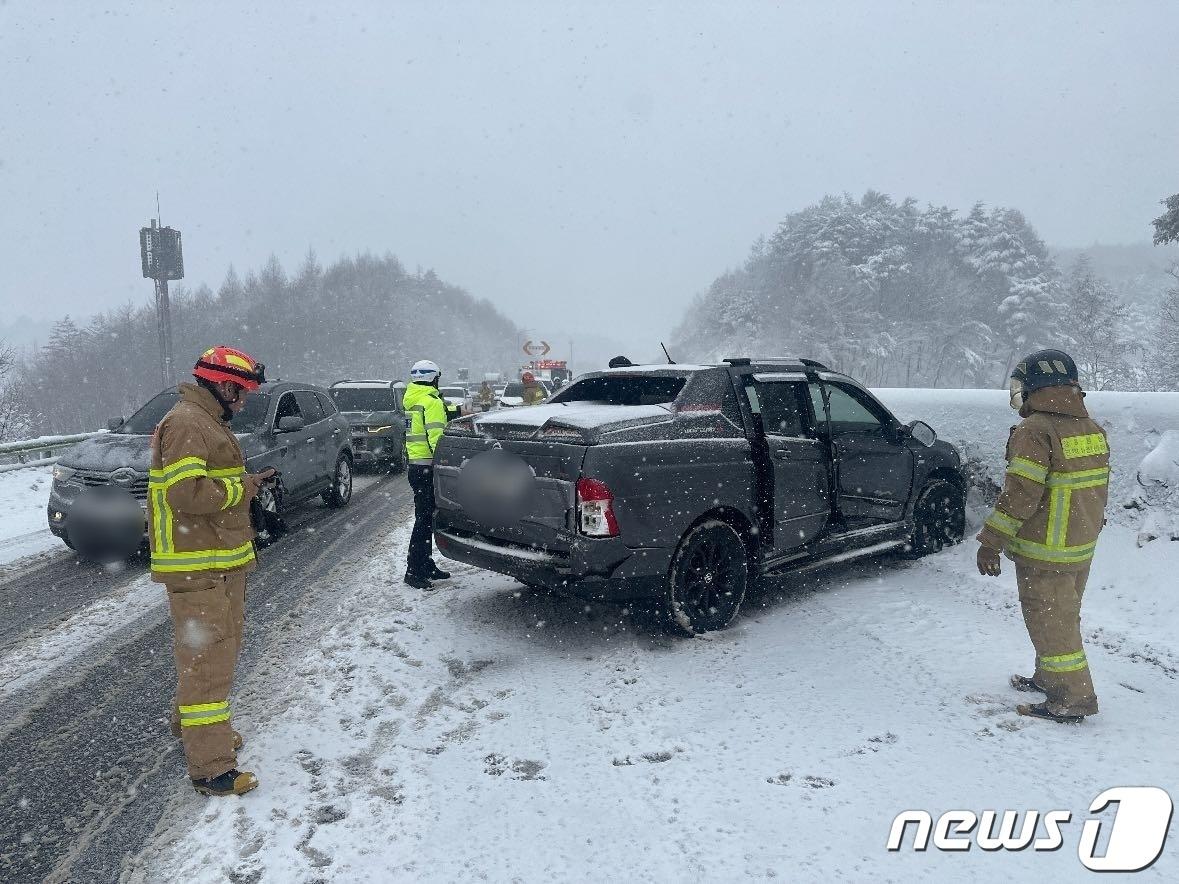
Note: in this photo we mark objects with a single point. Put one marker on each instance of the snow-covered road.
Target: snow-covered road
(486, 731)
(86, 761)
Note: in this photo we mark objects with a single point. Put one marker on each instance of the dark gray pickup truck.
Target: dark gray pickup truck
(683, 483)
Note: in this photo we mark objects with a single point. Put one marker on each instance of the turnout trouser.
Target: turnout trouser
(1051, 602)
(421, 480)
(208, 614)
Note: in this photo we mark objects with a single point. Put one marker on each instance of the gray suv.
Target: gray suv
(294, 428)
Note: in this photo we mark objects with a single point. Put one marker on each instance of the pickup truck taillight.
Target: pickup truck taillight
(595, 509)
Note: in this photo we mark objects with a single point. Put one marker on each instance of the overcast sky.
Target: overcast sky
(585, 166)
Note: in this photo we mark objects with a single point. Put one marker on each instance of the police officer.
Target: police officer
(425, 420)
(1047, 521)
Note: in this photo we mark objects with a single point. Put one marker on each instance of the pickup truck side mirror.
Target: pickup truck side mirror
(113, 423)
(922, 432)
(289, 424)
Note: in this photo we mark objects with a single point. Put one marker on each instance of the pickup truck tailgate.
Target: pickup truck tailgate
(544, 519)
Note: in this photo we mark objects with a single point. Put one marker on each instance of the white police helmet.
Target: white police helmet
(424, 372)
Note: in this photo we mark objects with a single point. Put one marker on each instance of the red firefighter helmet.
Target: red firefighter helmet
(528, 377)
(222, 363)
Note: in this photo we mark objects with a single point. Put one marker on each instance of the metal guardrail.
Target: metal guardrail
(38, 452)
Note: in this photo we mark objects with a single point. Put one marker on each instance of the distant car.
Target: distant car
(374, 410)
(458, 400)
(291, 427)
(511, 397)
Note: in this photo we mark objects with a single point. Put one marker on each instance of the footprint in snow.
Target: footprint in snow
(813, 782)
(649, 757)
(989, 705)
(328, 814)
(496, 765)
(874, 744)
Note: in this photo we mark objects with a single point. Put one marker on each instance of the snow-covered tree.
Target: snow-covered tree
(1166, 225)
(894, 292)
(349, 319)
(1095, 321)
(1165, 358)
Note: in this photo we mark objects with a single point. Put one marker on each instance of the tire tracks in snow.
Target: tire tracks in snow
(92, 765)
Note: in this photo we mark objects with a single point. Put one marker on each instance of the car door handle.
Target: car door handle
(782, 453)
(310, 441)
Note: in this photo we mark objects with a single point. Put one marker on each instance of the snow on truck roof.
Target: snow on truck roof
(582, 415)
(644, 369)
(776, 361)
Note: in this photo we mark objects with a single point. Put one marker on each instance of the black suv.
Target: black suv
(683, 483)
(294, 428)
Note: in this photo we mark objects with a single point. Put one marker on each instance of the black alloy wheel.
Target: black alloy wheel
(341, 491)
(708, 578)
(269, 498)
(939, 518)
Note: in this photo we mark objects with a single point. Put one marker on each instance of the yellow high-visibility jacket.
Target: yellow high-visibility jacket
(425, 414)
(1053, 503)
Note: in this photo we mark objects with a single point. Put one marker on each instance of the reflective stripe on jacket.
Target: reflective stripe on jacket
(1053, 503)
(198, 519)
(425, 415)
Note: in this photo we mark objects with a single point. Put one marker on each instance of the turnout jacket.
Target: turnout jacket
(198, 517)
(1053, 503)
(534, 394)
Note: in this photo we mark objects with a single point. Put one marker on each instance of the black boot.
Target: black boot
(232, 782)
(1027, 685)
(436, 573)
(417, 581)
(1041, 710)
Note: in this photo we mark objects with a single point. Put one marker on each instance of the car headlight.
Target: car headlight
(63, 474)
(380, 429)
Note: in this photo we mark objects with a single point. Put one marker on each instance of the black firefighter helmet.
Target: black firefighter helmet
(1046, 368)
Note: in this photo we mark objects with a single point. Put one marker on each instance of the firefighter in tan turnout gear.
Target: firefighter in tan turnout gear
(201, 550)
(1047, 520)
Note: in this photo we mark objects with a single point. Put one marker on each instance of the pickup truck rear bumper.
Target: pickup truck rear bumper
(602, 570)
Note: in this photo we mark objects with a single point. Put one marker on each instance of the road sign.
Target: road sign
(541, 348)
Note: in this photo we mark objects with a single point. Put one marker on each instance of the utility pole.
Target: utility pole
(163, 259)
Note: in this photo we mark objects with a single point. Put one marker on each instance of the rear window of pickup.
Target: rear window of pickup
(624, 390)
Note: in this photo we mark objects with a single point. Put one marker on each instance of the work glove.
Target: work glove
(988, 562)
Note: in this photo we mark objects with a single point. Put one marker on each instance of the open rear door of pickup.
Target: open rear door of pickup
(793, 461)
